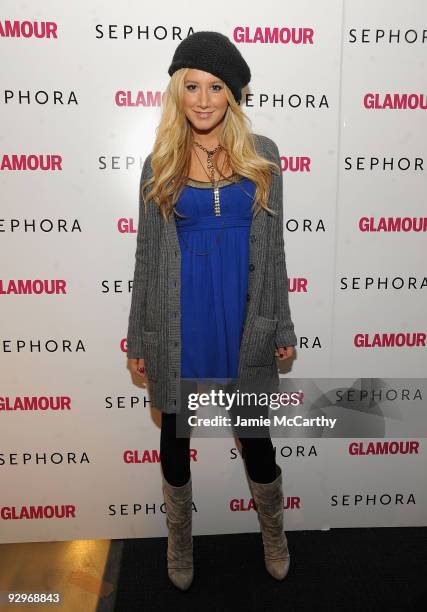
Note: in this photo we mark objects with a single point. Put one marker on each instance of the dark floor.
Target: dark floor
(341, 569)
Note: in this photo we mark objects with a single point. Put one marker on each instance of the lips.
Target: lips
(204, 115)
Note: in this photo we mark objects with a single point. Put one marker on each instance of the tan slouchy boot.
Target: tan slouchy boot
(268, 500)
(179, 516)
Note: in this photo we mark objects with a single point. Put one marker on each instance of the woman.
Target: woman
(210, 294)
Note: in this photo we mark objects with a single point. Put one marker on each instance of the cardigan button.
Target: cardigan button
(253, 238)
(248, 297)
(252, 267)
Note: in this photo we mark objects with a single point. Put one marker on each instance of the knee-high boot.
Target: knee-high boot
(179, 516)
(268, 498)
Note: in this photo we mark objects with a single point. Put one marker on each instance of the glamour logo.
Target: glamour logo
(127, 226)
(243, 505)
(393, 224)
(388, 447)
(28, 29)
(33, 287)
(397, 36)
(390, 339)
(395, 101)
(149, 456)
(8, 513)
(297, 285)
(283, 36)
(31, 162)
(146, 456)
(373, 499)
(149, 98)
(35, 402)
(295, 164)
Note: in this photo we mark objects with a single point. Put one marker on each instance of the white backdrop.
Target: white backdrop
(87, 94)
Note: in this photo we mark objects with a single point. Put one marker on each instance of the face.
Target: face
(205, 101)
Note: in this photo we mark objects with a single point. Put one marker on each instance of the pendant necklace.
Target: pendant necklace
(211, 169)
(217, 208)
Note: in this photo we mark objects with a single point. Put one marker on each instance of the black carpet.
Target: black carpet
(341, 569)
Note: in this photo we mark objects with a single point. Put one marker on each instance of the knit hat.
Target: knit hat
(215, 53)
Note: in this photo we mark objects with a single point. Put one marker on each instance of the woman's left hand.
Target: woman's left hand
(284, 352)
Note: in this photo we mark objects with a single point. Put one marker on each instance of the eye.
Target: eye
(219, 87)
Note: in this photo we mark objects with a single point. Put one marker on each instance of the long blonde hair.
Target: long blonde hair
(171, 155)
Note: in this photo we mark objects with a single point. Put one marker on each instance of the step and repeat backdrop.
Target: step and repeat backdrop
(341, 87)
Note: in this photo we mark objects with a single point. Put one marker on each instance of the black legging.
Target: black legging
(258, 454)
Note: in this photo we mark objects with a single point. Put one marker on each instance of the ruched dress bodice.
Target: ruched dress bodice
(214, 276)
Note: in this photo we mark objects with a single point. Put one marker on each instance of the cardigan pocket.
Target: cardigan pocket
(261, 343)
(150, 341)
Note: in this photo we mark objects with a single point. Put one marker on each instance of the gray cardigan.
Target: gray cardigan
(154, 321)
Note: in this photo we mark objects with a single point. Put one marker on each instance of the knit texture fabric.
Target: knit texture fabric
(154, 329)
(214, 53)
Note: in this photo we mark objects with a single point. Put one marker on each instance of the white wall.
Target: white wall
(78, 335)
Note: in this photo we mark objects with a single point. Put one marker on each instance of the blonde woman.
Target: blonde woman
(210, 289)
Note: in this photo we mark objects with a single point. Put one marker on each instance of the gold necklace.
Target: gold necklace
(219, 213)
(211, 167)
(231, 177)
(214, 242)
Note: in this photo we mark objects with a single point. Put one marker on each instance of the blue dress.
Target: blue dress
(214, 276)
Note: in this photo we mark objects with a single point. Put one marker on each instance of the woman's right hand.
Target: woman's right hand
(137, 367)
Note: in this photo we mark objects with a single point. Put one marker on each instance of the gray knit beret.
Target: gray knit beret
(215, 53)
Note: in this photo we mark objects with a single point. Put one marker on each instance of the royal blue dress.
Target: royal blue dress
(214, 276)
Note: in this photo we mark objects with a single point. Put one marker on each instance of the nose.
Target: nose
(203, 97)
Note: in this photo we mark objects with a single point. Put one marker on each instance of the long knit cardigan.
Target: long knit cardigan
(154, 331)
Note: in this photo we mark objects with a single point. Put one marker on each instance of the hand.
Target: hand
(137, 367)
(284, 352)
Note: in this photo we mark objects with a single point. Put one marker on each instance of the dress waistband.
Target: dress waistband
(212, 222)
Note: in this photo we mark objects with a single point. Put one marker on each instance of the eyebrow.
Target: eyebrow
(194, 81)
